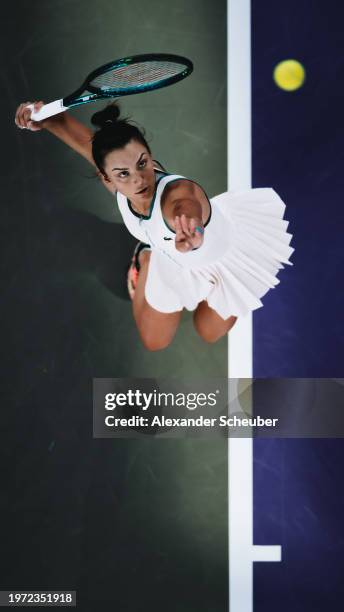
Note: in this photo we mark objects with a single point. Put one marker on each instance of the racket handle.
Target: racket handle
(48, 110)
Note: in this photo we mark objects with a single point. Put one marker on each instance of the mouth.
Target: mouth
(142, 191)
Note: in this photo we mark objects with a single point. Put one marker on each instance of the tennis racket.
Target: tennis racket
(123, 77)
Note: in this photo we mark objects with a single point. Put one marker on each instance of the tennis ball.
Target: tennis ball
(289, 75)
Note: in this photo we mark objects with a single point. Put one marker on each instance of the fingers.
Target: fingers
(178, 228)
(192, 229)
(183, 246)
(34, 126)
(186, 225)
(192, 226)
(23, 116)
(181, 241)
(187, 235)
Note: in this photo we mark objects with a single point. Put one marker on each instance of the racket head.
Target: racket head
(137, 74)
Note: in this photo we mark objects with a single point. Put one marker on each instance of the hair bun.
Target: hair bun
(108, 116)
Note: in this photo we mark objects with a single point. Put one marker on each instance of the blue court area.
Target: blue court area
(297, 144)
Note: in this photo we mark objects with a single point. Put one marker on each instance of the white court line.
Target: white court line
(242, 551)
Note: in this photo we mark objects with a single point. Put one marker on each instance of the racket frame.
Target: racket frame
(76, 98)
(96, 93)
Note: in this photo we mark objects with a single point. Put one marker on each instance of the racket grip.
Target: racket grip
(48, 110)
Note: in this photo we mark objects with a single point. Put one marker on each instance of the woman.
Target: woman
(216, 258)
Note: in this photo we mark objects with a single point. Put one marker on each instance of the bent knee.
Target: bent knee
(213, 333)
(209, 337)
(152, 343)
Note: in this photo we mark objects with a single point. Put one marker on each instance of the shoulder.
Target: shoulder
(182, 189)
(179, 188)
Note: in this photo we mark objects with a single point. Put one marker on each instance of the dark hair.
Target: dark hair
(114, 133)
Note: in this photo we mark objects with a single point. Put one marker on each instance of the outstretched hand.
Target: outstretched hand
(23, 117)
(189, 233)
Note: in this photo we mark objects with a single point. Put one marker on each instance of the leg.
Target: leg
(209, 325)
(156, 329)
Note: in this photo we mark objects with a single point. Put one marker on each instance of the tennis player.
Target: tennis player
(214, 257)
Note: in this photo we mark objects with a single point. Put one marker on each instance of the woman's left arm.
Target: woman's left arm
(188, 225)
(186, 217)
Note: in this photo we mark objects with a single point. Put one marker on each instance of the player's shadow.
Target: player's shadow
(51, 307)
(75, 242)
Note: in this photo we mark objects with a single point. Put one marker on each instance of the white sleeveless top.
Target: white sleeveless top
(245, 243)
(154, 230)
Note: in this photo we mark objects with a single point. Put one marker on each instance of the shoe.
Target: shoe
(134, 268)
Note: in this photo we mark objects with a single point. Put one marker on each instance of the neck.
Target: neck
(140, 207)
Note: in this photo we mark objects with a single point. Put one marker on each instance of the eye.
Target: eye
(123, 174)
(142, 163)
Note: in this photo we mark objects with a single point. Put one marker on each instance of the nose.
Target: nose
(138, 178)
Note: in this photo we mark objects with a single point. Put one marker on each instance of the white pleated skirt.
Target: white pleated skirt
(246, 245)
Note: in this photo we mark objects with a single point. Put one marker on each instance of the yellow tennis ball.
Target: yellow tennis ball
(289, 75)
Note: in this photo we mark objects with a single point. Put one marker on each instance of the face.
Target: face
(131, 171)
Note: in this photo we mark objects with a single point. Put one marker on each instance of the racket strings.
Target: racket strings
(136, 75)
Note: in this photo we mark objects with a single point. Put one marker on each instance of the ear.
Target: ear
(103, 176)
(106, 181)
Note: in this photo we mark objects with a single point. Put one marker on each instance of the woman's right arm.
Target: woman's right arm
(65, 127)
